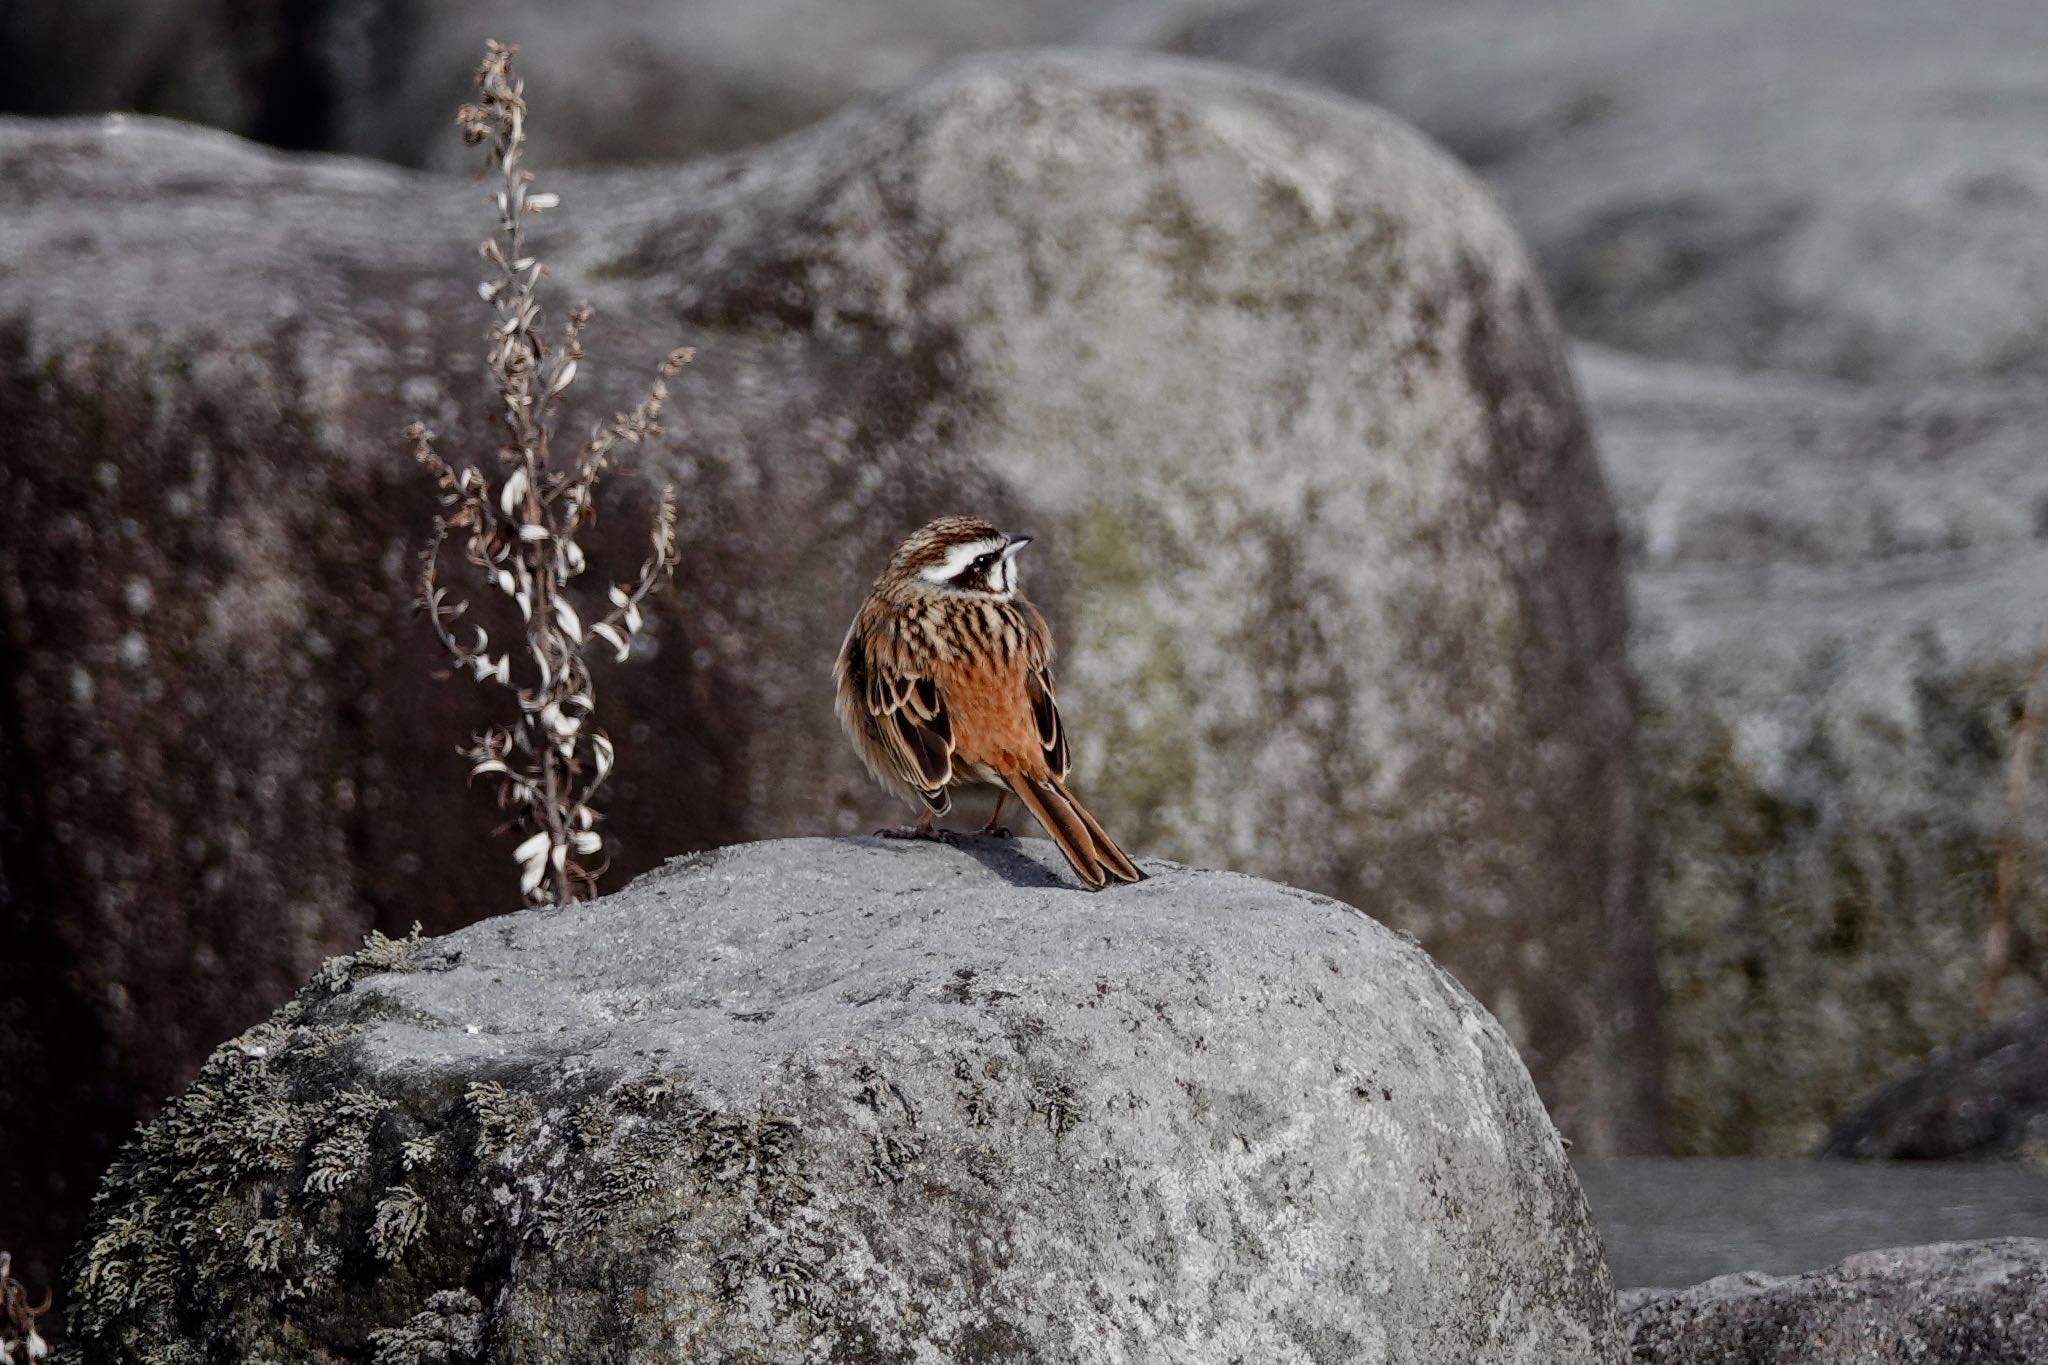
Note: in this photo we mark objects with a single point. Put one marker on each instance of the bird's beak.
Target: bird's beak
(1016, 543)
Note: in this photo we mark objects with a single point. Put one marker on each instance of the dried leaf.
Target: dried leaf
(531, 873)
(609, 633)
(566, 618)
(514, 493)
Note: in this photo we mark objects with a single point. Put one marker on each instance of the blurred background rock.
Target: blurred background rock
(1799, 244)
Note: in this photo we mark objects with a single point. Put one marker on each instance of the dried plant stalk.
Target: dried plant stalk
(1998, 935)
(2012, 838)
(19, 1340)
(520, 531)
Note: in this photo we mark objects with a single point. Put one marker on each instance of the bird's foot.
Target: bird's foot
(931, 832)
(997, 831)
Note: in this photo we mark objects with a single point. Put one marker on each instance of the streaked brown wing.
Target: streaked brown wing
(910, 718)
(1046, 711)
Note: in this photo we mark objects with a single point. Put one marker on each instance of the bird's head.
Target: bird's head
(963, 555)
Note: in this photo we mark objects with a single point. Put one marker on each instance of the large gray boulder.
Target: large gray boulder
(1850, 190)
(1837, 599)
(854, 1099)
(628, 80)
(1321, 534)
(1954, 1303)
(1985, 1098)
(1847, 190)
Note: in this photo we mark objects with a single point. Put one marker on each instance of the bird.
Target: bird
(945, 680)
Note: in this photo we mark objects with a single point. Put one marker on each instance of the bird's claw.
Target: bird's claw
(937, 836)
(997, 831)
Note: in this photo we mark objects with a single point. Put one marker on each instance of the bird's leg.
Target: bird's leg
(992, 827)
(923, 829)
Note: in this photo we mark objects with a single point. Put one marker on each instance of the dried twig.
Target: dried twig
(520, 530)
(1998, 936)
(19, 1341)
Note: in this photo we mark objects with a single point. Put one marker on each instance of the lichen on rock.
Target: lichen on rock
(825, 1100)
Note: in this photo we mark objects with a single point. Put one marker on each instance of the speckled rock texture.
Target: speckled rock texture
(1984, 1098)
(1953, 1303)
(1836, 588)
(1848, 190)
(1320, 532)
(857, 1099)
(629, 80)
(1837, 601)
(1843, 190)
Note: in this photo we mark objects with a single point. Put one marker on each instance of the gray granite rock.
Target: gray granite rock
(1986, 1097)
(814, 1100)
(1847, 190)
(629, 80)
(1954, 1303)
(1836, 189)
(1320, 532)
(1837, 605)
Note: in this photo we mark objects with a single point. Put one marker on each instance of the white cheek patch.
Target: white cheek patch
(958, 558)
(1009, 573)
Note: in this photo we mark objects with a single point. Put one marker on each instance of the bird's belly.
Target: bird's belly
(994, 731)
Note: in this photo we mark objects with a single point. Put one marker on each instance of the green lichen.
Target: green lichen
(1155, 699)
(250, 1172)
(449, 1328)
(378, 954)
(290, 1206)
(340, 1156)
(401, 1218)
(416, 1154)
(1822, 928)
(265, 1244)
(892, 1157)
(503, 1119)
(1055, 1101)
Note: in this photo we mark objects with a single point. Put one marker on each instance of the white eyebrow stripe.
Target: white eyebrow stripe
(958, 558)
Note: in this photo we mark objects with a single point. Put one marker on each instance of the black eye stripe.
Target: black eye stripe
(981, 568)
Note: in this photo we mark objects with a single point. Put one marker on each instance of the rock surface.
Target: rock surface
(1771, 184)
(1958, 1303)
(811, 1099)
(629, 80)
(1837, 607)
(1321, 532)
(1985, 1097)
(1764, 183)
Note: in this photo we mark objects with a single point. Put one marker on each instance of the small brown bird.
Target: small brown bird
(945, 679)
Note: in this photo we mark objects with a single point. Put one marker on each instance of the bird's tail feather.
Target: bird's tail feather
(1113, 859)
(1095, 857)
